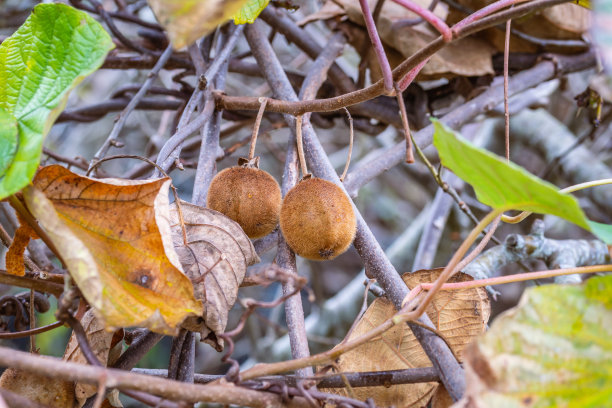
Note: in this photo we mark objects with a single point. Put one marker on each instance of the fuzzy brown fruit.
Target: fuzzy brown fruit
(249, 196)
(52, 392)
(317, 219)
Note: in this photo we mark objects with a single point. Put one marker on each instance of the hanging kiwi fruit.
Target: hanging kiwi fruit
(317, 217)
(246, 194)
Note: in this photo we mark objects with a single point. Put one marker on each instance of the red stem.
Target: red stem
(383, 62)
(411, 75)
(430, 17)
(519, 277)
(483, 12)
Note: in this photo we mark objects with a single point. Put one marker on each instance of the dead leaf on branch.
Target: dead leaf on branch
(459, 316)
(114, 236)
(49, 392)
(560, 22)
(100, 342)
(215, 259)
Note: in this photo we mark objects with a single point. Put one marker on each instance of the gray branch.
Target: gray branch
(557, 254)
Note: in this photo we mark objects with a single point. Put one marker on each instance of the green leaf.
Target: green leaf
(603, 231)
(553, 350)
(8, 139)
(51, 53)
(503, 185)
(249, 12)
(187, 20)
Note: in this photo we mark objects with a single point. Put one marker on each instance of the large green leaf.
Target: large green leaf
(249, 12)
(553, 350)
(501, 184)
(52, 52)
(8, 139)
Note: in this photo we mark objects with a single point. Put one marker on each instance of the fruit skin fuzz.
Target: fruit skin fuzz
(317, 219)
(249, 196)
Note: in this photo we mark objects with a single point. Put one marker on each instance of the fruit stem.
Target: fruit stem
(405, 125)
(300, 146)
(350, 152)
(262, 109)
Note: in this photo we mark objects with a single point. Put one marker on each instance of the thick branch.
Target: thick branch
(173, 390)
(557, 254)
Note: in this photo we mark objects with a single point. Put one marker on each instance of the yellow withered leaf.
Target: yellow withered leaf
(114, 236)
(188, 20)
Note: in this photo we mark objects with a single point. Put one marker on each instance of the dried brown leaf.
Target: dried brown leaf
(51, 392)
(464, 57)
(100, 343)
(215, 259)
(563, 21)
(441, 398)
(458, 315)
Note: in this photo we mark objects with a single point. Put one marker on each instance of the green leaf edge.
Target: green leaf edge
(8, 139)
(26, 159)
(602, 231)
(250, 11)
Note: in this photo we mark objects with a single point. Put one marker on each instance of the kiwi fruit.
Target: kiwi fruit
(317, 219)
(249, 196)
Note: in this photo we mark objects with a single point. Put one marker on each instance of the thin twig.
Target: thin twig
(121, 120)
(81, 336)
(31, 332)
(262, 109)
(381, 56)
(300, 146)
(40, 285)
(428, 16)
(350, 148)
(506, 97)
(404, 116)
(520, 277)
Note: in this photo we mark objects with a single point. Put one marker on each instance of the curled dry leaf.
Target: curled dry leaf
(100, 342)
(459, 316)
(114, 236)
(188, 20)
(215, 259)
